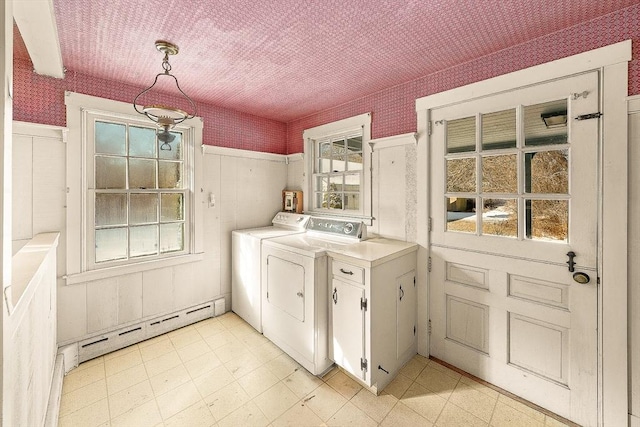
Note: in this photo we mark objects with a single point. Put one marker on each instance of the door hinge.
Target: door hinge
(430, 224)
(414, 281)
(429, 127)
(363, 364)
(429, 327)
(363, 304)
(429, 264)
(589, 116)
(414, 330)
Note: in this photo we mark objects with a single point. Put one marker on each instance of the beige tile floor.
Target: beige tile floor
(221, 372)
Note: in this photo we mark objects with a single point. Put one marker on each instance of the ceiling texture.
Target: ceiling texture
(287, 59)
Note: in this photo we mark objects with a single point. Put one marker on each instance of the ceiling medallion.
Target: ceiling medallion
(166, 117)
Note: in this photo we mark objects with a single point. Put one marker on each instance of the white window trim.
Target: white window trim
(351, 124)
(78, 106)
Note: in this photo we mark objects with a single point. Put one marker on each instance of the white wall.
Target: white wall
(633, 256)
(246, 188)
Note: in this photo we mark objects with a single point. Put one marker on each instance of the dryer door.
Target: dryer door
(285, 286)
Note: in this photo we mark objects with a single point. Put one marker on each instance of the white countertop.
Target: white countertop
(372, 252)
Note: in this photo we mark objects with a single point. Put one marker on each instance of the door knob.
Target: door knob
(582, 278)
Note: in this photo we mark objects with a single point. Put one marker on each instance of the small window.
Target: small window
(338, 178)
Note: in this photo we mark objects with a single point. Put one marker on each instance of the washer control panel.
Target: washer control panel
(337, 227)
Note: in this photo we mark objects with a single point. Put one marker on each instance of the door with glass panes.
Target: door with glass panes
(513, 204)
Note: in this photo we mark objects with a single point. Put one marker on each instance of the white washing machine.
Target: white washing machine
(295, 289)
(246, 295)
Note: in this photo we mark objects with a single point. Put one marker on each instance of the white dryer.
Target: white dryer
(295, 289)
(246, 245)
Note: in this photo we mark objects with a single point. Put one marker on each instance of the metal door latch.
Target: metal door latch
(589, 116)
(571, 262)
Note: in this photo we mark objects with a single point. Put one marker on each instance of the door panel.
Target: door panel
(510, 197)
(348, 326)
(406, 312)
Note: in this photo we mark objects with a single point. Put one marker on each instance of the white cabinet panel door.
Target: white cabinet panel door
(514, 199)
(348, 326)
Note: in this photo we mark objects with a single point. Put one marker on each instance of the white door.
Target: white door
(514, 190)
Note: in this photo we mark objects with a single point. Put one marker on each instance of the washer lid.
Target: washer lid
(306, 245)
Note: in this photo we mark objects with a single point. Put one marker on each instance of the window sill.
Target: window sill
(121, 270)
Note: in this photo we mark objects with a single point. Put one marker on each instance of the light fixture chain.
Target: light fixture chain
(165, 63)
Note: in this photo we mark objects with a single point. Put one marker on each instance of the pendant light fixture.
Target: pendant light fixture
(164, 116)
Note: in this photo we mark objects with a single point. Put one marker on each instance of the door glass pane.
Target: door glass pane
(142, 142)
(536, 132)
(500, 174)
(171, 237)
(499, 130)
(500, 217)
(172, 207)
(335, 183)
(169, 174)
(547, 172)
(144, 240)
(547, 220)
(144, 208)
(461, 175)
(111, 244)
(110, 138)
(461, 135)
(461, 214)
(111, 209)
(176, 151)
(142, 173)
(352, 201)
(110, 173)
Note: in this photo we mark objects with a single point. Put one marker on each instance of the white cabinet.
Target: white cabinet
(373, 313)
(348, 326)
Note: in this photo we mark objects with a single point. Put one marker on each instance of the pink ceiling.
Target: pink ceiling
(287, 59)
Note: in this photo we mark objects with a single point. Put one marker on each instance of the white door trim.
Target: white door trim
(612, 61)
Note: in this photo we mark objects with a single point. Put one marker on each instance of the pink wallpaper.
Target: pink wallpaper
(393, 109)
(40, 99)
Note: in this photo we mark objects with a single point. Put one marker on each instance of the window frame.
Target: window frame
(351, 126)
(91, 155)
(81, 265)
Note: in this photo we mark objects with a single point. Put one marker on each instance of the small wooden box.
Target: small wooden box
(292, 201)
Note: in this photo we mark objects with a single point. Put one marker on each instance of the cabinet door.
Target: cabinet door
(406, 309)
(348, 326)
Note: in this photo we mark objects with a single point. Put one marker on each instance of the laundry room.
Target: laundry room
(256, 214)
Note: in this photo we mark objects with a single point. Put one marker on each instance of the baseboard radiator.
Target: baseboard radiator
(104, 343)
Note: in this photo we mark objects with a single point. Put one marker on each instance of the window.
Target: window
(139, 192)
(130, 205)
(519, 184)
(337, 169)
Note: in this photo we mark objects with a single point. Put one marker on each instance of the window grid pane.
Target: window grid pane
(338, 165)
(520, 181)
(129, 223)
